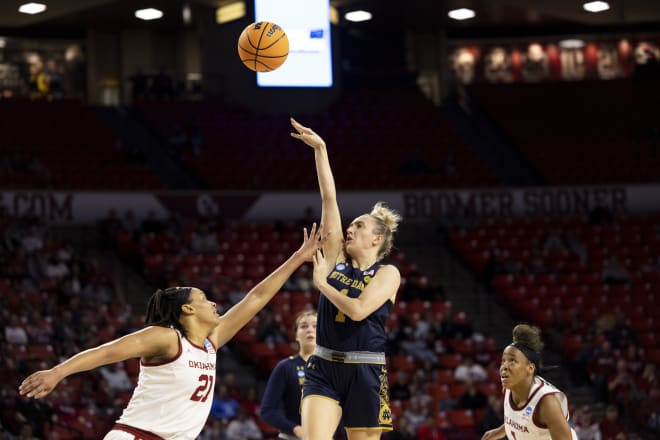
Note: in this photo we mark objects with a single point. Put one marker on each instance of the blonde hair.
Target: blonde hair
(387, 222)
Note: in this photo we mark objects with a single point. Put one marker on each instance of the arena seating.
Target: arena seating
(594, 289)
(601, 132)
(374, 144)
(64, 145)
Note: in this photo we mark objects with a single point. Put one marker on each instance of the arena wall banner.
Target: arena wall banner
(416, 206)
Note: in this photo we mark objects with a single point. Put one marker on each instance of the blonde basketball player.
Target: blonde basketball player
(533, 408)
(177, 351)
(346, 378)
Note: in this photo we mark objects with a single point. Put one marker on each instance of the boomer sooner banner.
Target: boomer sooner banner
(415, 206)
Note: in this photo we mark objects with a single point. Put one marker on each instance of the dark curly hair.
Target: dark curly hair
(164, 307)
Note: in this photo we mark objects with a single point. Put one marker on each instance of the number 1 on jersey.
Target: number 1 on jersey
(340, 317)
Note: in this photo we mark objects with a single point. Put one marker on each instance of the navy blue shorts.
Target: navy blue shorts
(360, 389)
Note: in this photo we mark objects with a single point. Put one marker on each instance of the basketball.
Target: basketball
(263, 46)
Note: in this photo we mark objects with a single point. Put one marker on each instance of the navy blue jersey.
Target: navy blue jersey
(336, 330)
(284, 390)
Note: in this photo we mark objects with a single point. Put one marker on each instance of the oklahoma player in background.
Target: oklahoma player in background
(177, 351)
(533, 408)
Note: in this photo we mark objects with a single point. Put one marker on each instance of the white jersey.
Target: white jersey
(519, 422)
(172, 400)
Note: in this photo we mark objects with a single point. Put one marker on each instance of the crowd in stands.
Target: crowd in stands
(443, 374)
(55, 302)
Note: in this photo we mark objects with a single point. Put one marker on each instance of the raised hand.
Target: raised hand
(307, 135)
(311, 242)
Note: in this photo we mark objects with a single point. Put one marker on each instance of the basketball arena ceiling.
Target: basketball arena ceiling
(523, 15)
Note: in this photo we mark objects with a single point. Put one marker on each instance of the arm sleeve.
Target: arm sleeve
(272, 400)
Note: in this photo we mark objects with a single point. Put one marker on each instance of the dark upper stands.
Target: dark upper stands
(596, 132)
(380, 139)
(64, 145)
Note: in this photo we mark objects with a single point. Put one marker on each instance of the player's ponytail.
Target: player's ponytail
(387, 222)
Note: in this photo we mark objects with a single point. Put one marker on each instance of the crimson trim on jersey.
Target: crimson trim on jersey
(538, 404)
(197, 346)
(138, 433)
(520, 408)
(156, 364)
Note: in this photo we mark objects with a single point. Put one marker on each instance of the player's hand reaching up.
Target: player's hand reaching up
(311, 242)
(307, 135)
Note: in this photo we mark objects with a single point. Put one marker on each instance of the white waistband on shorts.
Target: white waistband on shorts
(350, 357)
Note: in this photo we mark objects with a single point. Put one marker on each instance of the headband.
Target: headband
(532, 355)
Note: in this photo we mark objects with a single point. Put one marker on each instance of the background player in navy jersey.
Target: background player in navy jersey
(280, 405)
(177, 350)
(346, 377)
(534, 409)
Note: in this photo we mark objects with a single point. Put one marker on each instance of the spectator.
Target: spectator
(415, 414)
(493, 416)
(204, 241)
(611, 427)
(481, 355)
(469, 371)
(224, 407)
(243, 427)
(214, 430)
(621, 385)
(399, 389)
(585, 426)
(15, 333)
(429, 430)
(251, 402)
(116, 376)
(233, 390)
(472, 398)
(33, 240)
(649, 378)
(269, 330)
(649, 412)
(403, 430)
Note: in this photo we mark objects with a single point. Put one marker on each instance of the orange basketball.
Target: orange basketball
(263, 46)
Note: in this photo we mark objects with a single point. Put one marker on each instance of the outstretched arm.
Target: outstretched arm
(255, 300)
(330, 217)
(149, 342)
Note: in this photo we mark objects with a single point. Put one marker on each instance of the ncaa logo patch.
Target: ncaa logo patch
(209, 347)
(528, 411)
(340, 266)
(301, 373)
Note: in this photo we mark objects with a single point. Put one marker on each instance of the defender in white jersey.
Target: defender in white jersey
(534, 409)
(177, 351)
